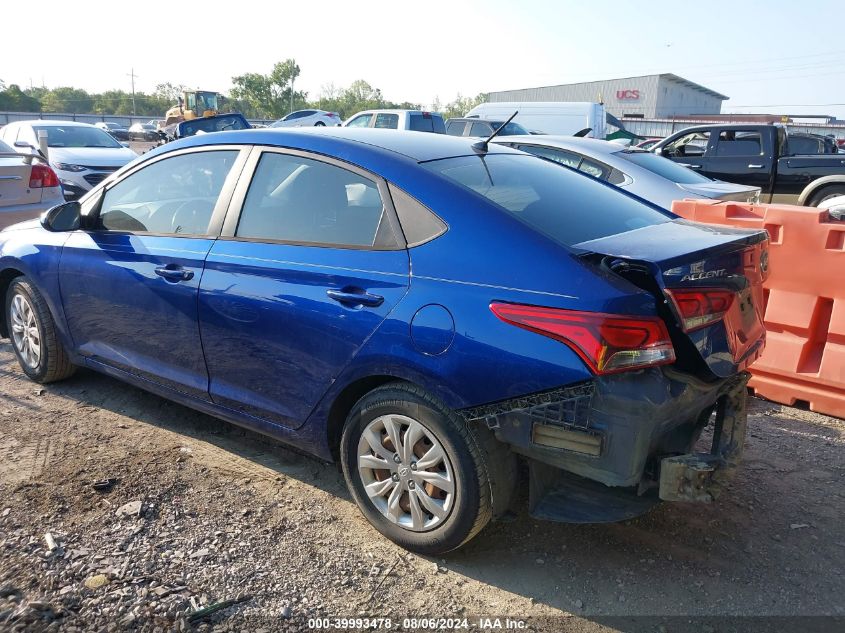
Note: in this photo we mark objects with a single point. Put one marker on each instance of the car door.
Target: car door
(690, 149)
(129, 282)
(740, 156)
(302, 275)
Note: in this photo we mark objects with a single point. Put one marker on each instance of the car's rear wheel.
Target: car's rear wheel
(417, 470)
(33, 332)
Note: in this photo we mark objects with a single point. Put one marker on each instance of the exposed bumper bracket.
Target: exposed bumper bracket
(702, 476)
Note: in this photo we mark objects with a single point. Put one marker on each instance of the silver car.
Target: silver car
(649, 176)
(28, 186)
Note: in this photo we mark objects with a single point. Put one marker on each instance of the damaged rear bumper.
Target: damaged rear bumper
(610, 449)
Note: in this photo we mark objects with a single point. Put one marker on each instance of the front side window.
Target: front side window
(173, 196)
(480, 129)
(362, 120)
(692, 144)
(305, 201)
(387, 121)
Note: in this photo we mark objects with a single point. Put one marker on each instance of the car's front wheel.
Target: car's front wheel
(417, 471)
(33, 332)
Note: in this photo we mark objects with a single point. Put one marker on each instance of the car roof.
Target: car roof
(341, 141)
(394, 111)
(575, 143)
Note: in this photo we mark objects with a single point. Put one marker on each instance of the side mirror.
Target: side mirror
(23, 144)
(62, 217)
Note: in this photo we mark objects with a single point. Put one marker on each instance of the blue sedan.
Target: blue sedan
(427, 310)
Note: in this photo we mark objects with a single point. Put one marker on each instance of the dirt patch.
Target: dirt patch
(226, 514)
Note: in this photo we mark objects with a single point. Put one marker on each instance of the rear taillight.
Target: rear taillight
(607, 343)
(42, 176)
(699, 307)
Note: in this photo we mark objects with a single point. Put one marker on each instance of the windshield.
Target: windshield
(675, 172)
(559, 203)
(76, 136)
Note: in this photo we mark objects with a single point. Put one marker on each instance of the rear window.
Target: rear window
(558, 203)
(426, 123)
(675, 172)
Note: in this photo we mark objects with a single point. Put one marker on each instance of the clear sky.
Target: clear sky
(768, 56)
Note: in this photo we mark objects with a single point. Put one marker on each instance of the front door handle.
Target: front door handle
(355, 297)
(753, 166)
(174, 273)
(694, 166)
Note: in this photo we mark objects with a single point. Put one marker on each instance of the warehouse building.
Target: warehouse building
(650, 96)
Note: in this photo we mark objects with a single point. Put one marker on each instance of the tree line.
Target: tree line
(256, 95)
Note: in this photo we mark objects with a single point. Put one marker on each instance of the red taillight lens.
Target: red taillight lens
(42, 176)
(607, 343)
(699, 307)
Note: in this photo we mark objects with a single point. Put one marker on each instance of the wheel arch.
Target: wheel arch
(818, 184)
(7, 276)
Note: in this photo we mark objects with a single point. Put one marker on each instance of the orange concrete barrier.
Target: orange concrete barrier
(804, 357)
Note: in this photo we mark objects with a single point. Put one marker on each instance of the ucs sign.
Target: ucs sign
(627, 95)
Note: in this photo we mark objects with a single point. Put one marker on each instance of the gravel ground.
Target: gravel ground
(188, 512)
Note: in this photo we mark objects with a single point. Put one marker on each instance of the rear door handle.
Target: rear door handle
(753, 166)
(174, 273)
(361, 298)
(694, 166)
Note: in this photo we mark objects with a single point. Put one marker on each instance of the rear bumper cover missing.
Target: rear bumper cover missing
(631, 433)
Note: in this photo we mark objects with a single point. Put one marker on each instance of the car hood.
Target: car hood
(95, 156)
(720, 190)
(21, 226)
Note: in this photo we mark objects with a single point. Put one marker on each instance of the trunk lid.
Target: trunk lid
(717, 190)
(683, 256)
(14, 182)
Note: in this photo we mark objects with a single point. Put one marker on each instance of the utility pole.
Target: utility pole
(133, 75)
(291, 93)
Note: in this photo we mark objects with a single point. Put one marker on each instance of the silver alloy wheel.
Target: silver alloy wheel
(406, 472)
(25, 333)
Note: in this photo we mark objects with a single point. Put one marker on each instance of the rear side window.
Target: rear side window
(172, 196)
(419, 223)
(304, 201)
(739, 143)
(455, 128)
(556, 202)
(425, 123)
(385, 120)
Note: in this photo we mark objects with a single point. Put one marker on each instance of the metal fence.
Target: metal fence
(126, 120)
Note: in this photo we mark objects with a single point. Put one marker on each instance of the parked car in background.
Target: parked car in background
(549, 316)
(551, 117)
(648, 143)
(483, 127)
(412, 120)
(120, 132)
(647, 175)
(82, 155)
(143, 132)
(305, 118)
(759, 156)
(28, 186)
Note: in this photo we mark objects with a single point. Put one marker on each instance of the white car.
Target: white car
(28, 187)
(649, 176)
(415, 120)
(305, 118)
(82, 155)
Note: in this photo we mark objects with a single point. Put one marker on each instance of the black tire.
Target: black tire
(319, 124)
(53, 361)
(830, 191)
(467, 448)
